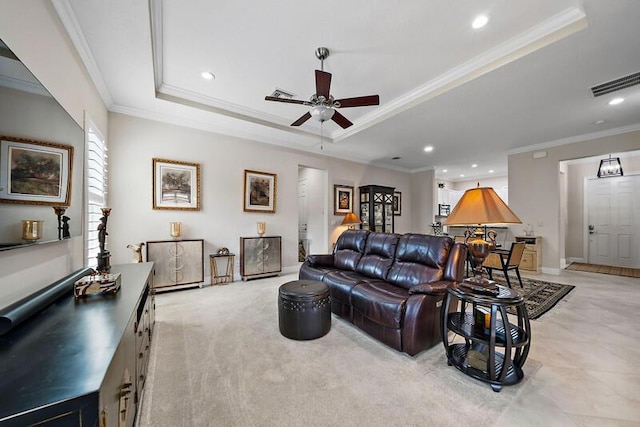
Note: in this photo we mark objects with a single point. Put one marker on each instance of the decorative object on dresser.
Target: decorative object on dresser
(177, 262)
(481, 206)
(137, 251)
(63, 222)
(342, 199)
(35, 172)
(176, 185)
(260, 191)
(532, 255)
(376, 208)
(260, 257)
(104, 255)
(216, 277)
(477, 356)
(32, 229)
(261, 227)
(97, 284)
(175, 229)
(95, 372)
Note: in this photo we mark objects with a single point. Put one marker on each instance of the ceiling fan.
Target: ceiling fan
(323, 105)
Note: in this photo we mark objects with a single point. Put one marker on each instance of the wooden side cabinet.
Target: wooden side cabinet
(177, 262)
(260, 257)
(532, 255)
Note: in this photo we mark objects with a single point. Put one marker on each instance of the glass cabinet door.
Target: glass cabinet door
(376, 208)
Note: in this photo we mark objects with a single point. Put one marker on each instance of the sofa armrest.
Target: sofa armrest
(433, 288)
(323, 260)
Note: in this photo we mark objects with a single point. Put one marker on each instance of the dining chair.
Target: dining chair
(500, 259)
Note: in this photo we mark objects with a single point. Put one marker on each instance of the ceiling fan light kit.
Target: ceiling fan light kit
(323, 104)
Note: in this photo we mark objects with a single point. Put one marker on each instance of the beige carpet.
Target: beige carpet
(218, 359)
(605, 269)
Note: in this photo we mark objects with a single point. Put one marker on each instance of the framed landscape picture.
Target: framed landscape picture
(176, 185)
(342, 199)
(397, 203)
(259, 191)
(35, 172)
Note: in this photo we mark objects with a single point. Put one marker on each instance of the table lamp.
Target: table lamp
(351, 220)
(480, 206)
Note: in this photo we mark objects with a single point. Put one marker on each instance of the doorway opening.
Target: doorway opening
(312, 211)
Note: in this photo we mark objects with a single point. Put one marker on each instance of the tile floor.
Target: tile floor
(587, 349)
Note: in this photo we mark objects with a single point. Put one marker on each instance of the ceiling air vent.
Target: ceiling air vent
(617, 84)
(281, 93)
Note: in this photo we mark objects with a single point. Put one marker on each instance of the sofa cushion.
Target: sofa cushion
(419, 259)
(349, 249)
(378, 255)
(340, 284)
(310, 272)
(380, 302)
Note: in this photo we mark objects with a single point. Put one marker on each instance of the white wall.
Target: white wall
(32, 30)
(133, 142)
(424, 203)
(316, 210)
(534, 187)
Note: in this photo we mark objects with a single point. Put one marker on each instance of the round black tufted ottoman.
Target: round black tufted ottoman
(304, 309)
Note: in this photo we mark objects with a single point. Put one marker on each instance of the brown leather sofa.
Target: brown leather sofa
(389, 285)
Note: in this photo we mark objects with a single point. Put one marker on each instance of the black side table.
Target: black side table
(494, 350)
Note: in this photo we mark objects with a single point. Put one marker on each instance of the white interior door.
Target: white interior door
(613, 211)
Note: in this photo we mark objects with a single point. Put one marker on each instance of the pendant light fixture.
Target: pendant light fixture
(610, 167)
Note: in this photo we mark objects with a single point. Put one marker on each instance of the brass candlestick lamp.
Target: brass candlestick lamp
(481, 206)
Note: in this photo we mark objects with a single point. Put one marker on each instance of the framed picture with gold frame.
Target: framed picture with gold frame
(260, 191)
(176, 185)
(397, 203)
(342, 199)
(35, 172)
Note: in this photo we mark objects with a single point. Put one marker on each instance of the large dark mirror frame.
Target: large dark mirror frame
(41, 160)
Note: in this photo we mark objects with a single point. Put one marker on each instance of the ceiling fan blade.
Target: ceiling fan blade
(287, 100)
(323, 83)
(341, 120)
(360, 101)
(302, 119)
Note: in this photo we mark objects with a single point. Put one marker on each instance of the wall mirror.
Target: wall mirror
(41, 161)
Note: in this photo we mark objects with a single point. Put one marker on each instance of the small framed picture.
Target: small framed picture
(397, 203)
(35, 172)
(176, 185)
(342, 199)
(259, 191)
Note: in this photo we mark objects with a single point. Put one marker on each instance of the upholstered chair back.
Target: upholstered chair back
(419, 259)
(378, 255)
(349, 249)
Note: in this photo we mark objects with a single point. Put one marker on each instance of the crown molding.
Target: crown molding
(553, 29)
(24, 86)
(74, 30)
(576, 138)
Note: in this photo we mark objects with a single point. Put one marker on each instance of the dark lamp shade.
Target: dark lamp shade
(481, 206)
(351, 219)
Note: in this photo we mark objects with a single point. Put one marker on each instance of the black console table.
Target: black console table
(503, 344)
(80, 362)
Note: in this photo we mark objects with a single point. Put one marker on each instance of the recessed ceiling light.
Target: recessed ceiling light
(444, 171)
(616, 101)
(480, 21)
(428, 148)
(461, 175)
(474, 165)
(598, 122)
(491, 171)
(208, 75)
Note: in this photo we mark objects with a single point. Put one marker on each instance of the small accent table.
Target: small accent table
(494, 349)
(216, 277)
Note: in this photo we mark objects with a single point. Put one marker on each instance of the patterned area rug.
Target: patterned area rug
(605, 269)
(539, 296)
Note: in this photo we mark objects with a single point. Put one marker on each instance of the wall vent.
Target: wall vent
(616, 85)
(281, 93)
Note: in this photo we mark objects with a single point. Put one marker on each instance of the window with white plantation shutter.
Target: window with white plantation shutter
(96, 190)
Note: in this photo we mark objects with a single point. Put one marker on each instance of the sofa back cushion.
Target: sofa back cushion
(419, 259)
(349, 249)
(378, 255)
